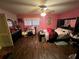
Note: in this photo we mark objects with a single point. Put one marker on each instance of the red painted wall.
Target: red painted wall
(48, 21)
(43, 20)
(70, 14)
(53, 18)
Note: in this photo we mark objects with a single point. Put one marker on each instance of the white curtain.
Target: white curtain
(31, 21)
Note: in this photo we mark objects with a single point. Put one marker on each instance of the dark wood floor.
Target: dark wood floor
(31, 48)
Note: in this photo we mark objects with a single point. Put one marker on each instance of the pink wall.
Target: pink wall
(43, 20)
(49, 18)
(70, 14)
(53, 18)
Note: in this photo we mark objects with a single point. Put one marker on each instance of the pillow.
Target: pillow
(49, 30)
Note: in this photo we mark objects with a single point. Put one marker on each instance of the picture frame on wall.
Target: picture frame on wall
(49, 21)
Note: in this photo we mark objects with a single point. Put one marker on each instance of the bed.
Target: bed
(63, 33)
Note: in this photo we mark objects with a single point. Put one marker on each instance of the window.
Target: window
(31, 21)
(35, 22)
(27, 22)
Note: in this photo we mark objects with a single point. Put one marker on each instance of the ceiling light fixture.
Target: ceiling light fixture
(43, 14)
(43, 10)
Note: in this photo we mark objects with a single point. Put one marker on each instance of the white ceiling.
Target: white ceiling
(32, 6)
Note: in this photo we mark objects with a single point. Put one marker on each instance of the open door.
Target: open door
(5, 36)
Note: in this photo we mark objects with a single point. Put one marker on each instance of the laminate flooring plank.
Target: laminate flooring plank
(31, 48)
